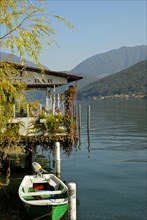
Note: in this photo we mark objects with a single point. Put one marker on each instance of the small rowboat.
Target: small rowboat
(44, 194)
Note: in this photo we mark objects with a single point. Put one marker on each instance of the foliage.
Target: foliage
(49, 123)
(34, 108)
(129, 81)
(24, 24)
(70, 119)
(58, 127)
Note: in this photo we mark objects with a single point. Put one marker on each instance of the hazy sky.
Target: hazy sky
(100, 26)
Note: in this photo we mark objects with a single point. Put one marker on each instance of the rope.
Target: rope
(40, 217)
(5, 191)
(44, 215)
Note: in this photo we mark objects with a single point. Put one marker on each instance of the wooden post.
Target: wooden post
(58, 97)
(54, 100)
(57, 158)
(28, 111)
(58, 100)
(72, 201)
(79, 117)
(46, 104)
(40, 107)
(88, 119)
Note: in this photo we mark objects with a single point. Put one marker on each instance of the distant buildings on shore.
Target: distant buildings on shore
(117, 96)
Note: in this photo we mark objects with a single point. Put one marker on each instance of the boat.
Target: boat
(44, 194)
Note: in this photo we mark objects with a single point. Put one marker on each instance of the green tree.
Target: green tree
(24, 24)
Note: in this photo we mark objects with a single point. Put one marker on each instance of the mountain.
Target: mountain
(100, 65)
(104, 64)
(129, 81)
(15, 59)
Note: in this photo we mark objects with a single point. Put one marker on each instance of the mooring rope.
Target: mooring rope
(48, 214)
(5, 192)
(40, 217)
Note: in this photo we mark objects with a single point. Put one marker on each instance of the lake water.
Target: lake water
(110, 171)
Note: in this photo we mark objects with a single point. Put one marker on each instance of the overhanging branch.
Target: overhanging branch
(19, 25)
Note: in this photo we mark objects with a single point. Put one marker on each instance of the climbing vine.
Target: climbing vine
(45, 130)
(70, 116)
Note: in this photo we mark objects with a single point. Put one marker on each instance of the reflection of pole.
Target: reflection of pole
(72, 201)
(88, 127)
(79, 146)
(57, 158)
(89, 147)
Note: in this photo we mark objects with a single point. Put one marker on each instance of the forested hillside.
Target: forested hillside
(105, 64)
(130, 81)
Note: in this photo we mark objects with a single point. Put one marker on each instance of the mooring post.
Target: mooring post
(79, 117)
(57, 158)
(72, 213)
(88, 119)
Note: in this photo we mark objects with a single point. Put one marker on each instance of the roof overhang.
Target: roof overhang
(36, 78)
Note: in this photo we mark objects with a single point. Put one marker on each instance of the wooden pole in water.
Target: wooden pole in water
(79, 117)
(72, 201)
(88, 119)
(57, 158)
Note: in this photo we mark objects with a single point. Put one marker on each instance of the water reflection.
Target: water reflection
(115, 125)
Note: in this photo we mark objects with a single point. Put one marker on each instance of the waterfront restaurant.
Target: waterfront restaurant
(53, 82)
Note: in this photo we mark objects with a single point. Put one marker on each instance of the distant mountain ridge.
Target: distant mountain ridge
(15, 59)
(104, 64)
(100, 65)
(129, 81)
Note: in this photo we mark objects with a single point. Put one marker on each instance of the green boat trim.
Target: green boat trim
(51, 212)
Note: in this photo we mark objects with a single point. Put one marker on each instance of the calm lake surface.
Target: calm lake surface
(110, 171)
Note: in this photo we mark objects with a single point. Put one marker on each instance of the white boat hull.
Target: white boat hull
(44, 194)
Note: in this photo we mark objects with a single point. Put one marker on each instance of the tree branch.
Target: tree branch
(14, 29)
